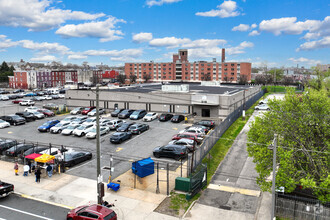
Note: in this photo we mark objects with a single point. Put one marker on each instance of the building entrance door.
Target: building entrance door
(205, 112)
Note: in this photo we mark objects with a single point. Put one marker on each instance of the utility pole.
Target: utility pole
(98, 153)
(273, 146)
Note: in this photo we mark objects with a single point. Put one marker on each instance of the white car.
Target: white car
(68, 130)
(90, 121)
(265, 101)
(42, 98)
(4, 97)
(76, 111)
(68, 119)
(39, 115)
(4, 124)
(58, 128)
(190, 144)
(150, 116)
(92, 133)
(61, 96)
(81, 130)
(262, 107)
(50, 152)
(27, 102)
(195, 130)
(48, 97)
(79, 120)
(93, 112)
(31, 109)
(113, 124)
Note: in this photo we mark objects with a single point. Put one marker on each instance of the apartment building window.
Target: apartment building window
(186, 77)
(130, 68)
(164, 68)
(232, 64)
(130, 64)
(208, 64)
(232, 69)
(209, 69)
(226, 69)
(232, 74)
(226, 64)
(164, 77)
(225, 73)
(202, 69)
(169, 68)
(149, 68)
(149, 64)
(231, 78)
(202, 64)
(170, 77)
(144, 64)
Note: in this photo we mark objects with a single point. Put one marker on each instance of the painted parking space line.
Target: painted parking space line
(23, 212)
(230, 189)
(118, 149)
(10, 132)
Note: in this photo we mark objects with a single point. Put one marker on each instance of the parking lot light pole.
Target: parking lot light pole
(98, 154)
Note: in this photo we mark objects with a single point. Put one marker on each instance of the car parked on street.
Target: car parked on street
(92, 212)
(72, 158)
(165, 117)
(13, 119)
(171, 151)
(58, 128)
(119, 137)
(92, 132)
(138, 128)
(138, 114)
(150, 116)
(4, 98)
(27, 102)
(87, 110)
(125, 126)
(116, 112)
(4, 124)
(48, 125)
(68, 130)
(190, 144)
(68, 119)
(125, 113)
(28, 116)
(177, 118)
(76, 111)
(48, 97)
(82, 130)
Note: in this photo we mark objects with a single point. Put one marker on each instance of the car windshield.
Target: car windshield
(116, 111)
(116, 135)
(16, 117)
(90, 120)
(133, 127)
(93, 130)
(149, 114)
(124, 112)
(71, 127)
(1, 121)
(76, 109)
(81, 128)
(135, 113)
(46, 124)
(86, 109)
(59, 125)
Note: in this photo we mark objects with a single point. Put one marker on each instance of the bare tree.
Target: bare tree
(243, 79)
(225, 79)
(260, 79)
(146, 77)
(121, 78)
(287, 80)
(132, 78)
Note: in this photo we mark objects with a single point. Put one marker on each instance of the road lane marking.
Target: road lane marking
(118, 149)
(230, 189)
(10, 132)
(175, 128)
(23, 212)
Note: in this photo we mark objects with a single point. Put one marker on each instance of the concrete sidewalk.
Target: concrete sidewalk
(70, 191)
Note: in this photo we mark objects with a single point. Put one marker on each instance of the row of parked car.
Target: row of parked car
(185, 141)
(36, 96)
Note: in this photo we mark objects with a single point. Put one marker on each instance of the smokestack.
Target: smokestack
(223, 55)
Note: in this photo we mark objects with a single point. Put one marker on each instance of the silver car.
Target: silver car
(58, 128)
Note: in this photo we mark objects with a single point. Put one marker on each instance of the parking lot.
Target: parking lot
(138, 147)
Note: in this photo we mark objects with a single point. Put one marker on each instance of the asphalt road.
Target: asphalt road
(15, 207)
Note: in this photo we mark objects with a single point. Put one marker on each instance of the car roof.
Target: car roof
(100, 210)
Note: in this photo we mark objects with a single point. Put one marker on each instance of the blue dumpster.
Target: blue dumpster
(143, 167)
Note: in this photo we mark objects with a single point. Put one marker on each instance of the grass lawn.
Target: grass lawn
(276, 89)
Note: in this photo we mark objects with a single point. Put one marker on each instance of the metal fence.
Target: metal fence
(195, 159)
(293, 207)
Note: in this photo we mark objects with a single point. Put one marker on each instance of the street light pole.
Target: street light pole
(274, 146)
(98, 154)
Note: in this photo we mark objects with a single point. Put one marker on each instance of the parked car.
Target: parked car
(104, 121)
(116, 112)
(12, 96)
(150, 116)
(93, 112)
(68, 130)
(30, 109)
(207, 123)
(79, 120)
(58, 128)
(87, 110)
(165, 117)
(262, 107)
(125, 126)
(119, 137)
(92, 132)
(4, 98)
(35, 149)
(138, 128)
(177, 118)
(92, 212)
(171, 151)
(37, 98)
(18, 90)
(50, 106)
(27, 102)
(203, 128)
(46, 112)
(17, 101)
(90, 121)
(190, 144)
(38, 115)
(187, 135)
(13, 119)
(195, 130)
(125, 113)
(30, 94)
(137, 114)
(264, 101)
(75, 157)
(20, 95)
(4, 124)
(76, 111)
(68, 119)
(113, 124)
(55, 96)
(27, 115)
(48, 97)
(6, 144)
(48, 125)
(7, 189)
(82, 130)
(18, 149)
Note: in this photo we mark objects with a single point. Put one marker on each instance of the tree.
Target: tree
(260, 79)
(6, 71)
(147, 77)
(132, 78)
(287, 80)
(302, 125)
(318, 82)
(121, 78)
(243, 79)
(225, 79)
(276, 74)
(4, 67)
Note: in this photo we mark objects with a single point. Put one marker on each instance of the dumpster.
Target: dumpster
(143, 167)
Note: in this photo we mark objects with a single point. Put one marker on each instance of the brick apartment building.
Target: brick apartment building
(180, 69)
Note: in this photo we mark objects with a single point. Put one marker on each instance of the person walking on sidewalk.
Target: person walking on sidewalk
(16, 169)
(49, 170)
(38, 173)
(26, 169)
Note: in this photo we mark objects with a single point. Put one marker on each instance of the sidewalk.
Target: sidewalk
(70, 191)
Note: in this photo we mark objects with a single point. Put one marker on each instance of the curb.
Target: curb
(44, 201)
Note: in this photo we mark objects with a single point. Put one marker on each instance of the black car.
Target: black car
(35, 149)
(6, 144)
(138, 128)
(207, 123)
(125, 126)
(116, 112)
(172, 151)
(13, 119)
(75, 157)
(27, 115)
(18, 149)
(138, 114)
(177, 118)
(119, 137)
(12, 96)
(125, 114)
(165, 117)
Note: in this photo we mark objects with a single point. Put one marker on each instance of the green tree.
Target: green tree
(302, 125)
(276, 74)
(321, 77)
(4, 67)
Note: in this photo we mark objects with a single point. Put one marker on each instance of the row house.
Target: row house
(180, 69)
(62, 77)
(23, 79)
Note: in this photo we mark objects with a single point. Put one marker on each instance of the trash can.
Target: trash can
(143, 167)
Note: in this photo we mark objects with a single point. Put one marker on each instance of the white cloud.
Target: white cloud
(6, 43)
(204, 43)
(225, 10)
(160, 2)
(169, 42)
(244, 27)
(45, 58)
(76, 57)
(105, 30)
(132, 53)
(240, 48)
(142, 37)
(44, 47)
(318, 44)
(254, 33)
(305, 60)
(38, 15)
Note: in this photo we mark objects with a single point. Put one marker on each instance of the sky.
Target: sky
(279, 33)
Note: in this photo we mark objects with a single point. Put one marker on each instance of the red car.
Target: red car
(191, 136)
(92, 212)
(87, 109)
(17, 101)
(46, 112)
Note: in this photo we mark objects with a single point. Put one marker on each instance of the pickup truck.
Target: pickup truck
(6, 189)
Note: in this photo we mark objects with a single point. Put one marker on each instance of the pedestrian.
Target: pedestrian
(26, 169)
(29, 163)
(38, 173)
(49, 170)
(16, 169)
